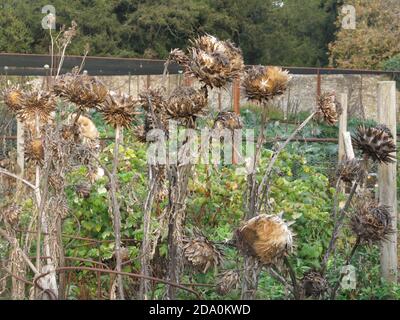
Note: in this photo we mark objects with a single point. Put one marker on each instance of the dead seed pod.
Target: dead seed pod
(11, 214)
(140, 133)
(186, 103)
(371, 223)
(13, 98)
(266, 237)
(227, 281)
(84, 91)
(119, 110)
(314, 284)
(329, 108)
(202, 254)
(152, 98)
(383, 127)
(265, 83)
(34, 151)
(375, 143)
(212, 61)
(349, 171)
(228, 120)
(36, 102)
(82, 190)
(57, 182)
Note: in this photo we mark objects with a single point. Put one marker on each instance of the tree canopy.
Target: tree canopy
(286, 32)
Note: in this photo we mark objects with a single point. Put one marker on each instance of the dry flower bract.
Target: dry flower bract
(314, 284)
(329, 108)
(227, 281)
(34, 151)
(13, 98)
(349, 170)
(371, 222)
(375, 143)
(228, 120)
(36, 102)
(202, 254)
(264, 83)
(267, 237)
(212, 61)
(119, 110)
(84, 91)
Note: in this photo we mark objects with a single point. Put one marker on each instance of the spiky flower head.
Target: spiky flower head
(13, 98)
(228, 120)
(36, 102)
(371, 222)
(314, 284)
(212, 61)
(34, 151)
(349, 170)
(119, 110)
(202, 254)
(152, 99)
(265, 83)
(375, 143)
(266, 237)
(11, 214)
(186, 103)
(84, 91)
(82, 190)
(227, 281)
(329, 108)
(383, 127)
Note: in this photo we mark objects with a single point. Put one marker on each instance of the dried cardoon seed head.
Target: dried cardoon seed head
(83, 190)
(179, 57)
(34, 151)
(119, 110)
(227, 281)
(371, 222)
(84, 91)
(36, 102)
(202, 254)
(349, 170)
(153, 98)
(314, 284)
(264, 83)
(375, 143)
(140, 133)
(11, 214)
(212, 61)
(13, 98)
(186, 103)
(228, 120)
(57, 182)
(266, 237)
(329, 108)
(383, 127)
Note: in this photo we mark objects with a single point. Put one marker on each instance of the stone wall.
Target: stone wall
(301, 95)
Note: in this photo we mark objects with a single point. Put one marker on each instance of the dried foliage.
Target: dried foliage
(36, 102)
(34, 151)
(119, 110)
(13, 98)
(228, 120)
(350, 171)
(227, 281)
(314, 284)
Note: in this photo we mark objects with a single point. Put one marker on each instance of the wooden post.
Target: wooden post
(20, 155)
(236, 109)
(342, 127)
(387, 180)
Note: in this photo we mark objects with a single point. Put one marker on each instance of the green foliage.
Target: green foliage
(150, 28)
(393, 64)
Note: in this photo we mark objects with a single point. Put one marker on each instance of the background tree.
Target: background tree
(375, 39)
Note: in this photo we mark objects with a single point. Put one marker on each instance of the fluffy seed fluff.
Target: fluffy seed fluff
(371, 222)
(349, 170)
(202, 254)
(84, 91)
(264, 83)
(212, 61)
(329, 108)
(314, 284)
(375, 143)
(228, 120)
(119, 110)
(266, 237)
(227, 281)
